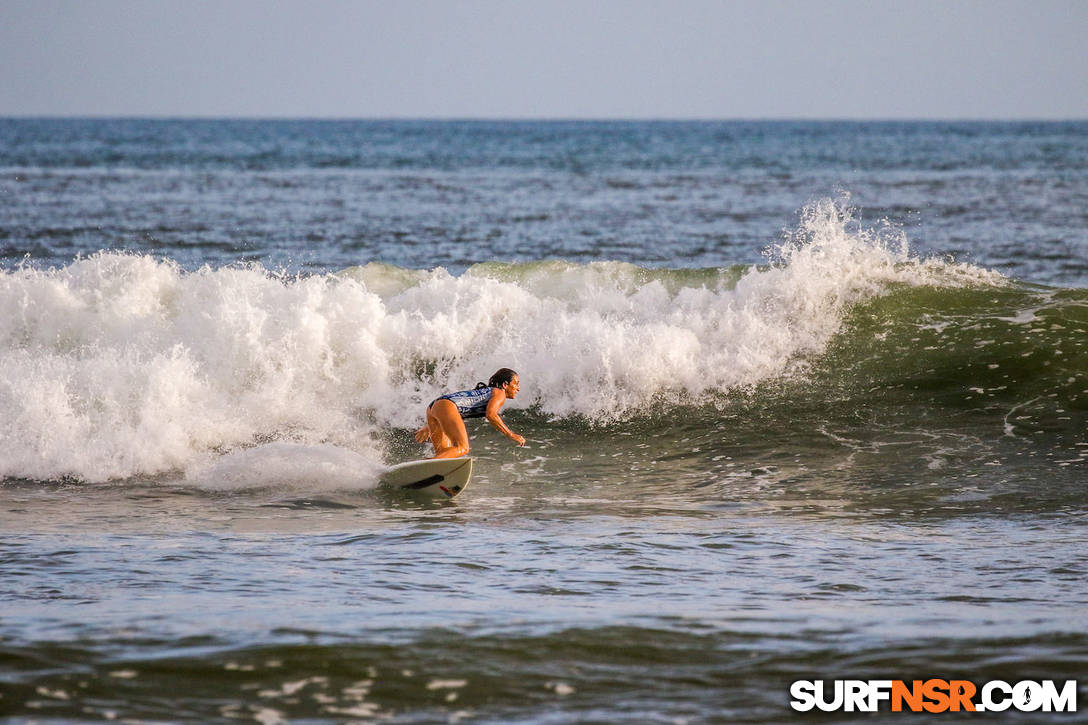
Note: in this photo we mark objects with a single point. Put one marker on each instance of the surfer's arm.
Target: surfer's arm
(498, 397)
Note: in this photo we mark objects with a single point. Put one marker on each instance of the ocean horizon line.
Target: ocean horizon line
(543, 119)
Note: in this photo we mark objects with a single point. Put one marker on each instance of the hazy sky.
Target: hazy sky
(546, 59)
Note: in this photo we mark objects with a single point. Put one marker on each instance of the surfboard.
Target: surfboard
(434, 477)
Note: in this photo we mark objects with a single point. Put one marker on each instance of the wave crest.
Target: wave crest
(119, 365)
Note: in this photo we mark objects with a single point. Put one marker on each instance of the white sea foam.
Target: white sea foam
(121, 365)
(320, 467)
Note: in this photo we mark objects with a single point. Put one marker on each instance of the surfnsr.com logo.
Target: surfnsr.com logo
(933, 696)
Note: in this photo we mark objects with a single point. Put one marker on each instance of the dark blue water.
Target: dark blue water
(802, 401)
(331, 194)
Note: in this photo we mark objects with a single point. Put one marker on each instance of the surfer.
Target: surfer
(446, 416)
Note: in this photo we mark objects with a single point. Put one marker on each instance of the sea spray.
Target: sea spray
(120, 365)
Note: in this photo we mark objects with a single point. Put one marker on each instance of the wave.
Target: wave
(1015, 353)
(119, 365)
(596, 674)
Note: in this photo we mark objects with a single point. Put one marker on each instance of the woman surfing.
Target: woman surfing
(446, 416)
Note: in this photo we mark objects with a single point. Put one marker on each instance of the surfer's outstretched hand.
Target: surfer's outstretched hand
(423, 435)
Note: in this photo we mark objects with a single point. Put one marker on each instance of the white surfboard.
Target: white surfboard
(434, 477)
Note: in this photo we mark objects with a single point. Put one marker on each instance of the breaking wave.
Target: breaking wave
(119, 365)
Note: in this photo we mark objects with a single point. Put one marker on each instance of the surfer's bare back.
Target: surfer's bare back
(446, 415)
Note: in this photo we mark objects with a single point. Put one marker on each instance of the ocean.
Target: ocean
(803, 401)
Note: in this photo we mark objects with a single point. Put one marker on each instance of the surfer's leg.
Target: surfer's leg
(432, 431)
(448, 433)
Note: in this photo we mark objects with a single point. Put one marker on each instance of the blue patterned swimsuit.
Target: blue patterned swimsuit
(470, 403)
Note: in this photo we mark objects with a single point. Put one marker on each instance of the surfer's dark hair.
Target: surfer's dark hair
(501, 377)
